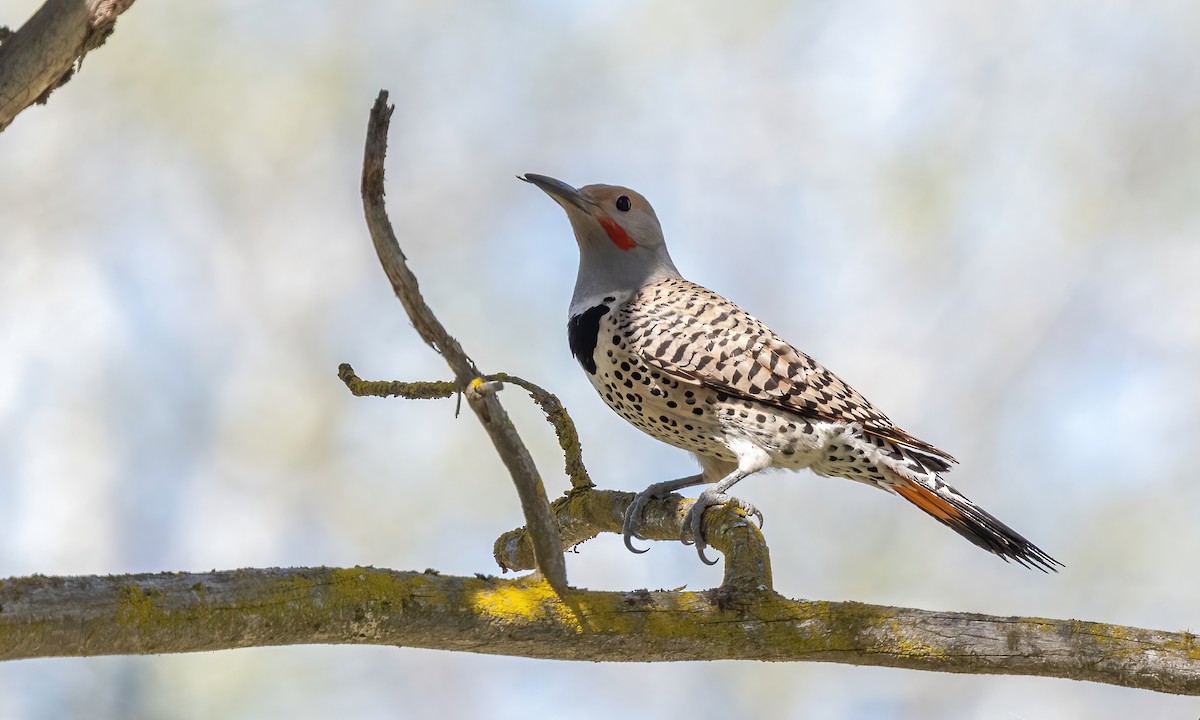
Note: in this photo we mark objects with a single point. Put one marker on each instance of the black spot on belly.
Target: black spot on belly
(582, 332)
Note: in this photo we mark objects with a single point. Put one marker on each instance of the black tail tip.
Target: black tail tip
(1033, 557)
(997, 538)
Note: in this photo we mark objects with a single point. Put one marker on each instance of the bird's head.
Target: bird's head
(620, 241)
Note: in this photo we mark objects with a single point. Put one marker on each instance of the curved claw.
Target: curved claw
(629, 544)
(752, 512)
(633, 515)
(695, 521)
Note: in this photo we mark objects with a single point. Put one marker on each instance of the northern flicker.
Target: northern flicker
(692, 369)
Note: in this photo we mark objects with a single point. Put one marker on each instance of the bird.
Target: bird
(692, 369)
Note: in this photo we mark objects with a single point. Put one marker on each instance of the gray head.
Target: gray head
(621, 245)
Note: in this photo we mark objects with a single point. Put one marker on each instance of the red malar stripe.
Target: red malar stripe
(616, 233)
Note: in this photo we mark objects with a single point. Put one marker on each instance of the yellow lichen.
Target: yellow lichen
(909, 646)
(1186, 644)
(1115, 640)
(523, 602)
(359, 583)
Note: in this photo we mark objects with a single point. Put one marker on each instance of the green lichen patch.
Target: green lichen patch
(137, 607)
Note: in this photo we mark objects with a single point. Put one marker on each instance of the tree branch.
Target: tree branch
(584, 513)
(419, 390)
(42, 55)
(186, 612)
(564, 428)
(532, 493)
(552, 407)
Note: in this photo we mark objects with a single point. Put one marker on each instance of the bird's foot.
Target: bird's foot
(694, 522)
(633, 518)
(657, 491)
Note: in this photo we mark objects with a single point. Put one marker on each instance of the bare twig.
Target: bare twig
(547, 545)
(186, 612)
(44, 53)
(564, 428)
(556, 413)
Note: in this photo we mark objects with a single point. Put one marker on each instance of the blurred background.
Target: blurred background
(984, 216)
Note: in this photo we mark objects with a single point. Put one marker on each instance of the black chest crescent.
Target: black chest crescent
(582, 331)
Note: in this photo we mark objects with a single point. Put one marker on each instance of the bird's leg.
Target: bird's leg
(657, 491)
(715, 495)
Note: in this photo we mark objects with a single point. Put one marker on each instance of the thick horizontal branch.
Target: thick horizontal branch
(183, 612)
(43, 53)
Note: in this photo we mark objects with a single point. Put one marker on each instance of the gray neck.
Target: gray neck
(606, 271)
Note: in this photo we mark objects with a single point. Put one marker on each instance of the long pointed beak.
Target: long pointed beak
(563, 193)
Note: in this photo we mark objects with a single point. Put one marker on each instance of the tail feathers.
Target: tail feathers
(966, 518)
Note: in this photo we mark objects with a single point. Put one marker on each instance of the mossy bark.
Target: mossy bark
(187, 612)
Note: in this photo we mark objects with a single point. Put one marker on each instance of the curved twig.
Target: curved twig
(564, 427)
(512, 451)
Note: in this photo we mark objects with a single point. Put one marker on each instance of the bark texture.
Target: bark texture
(188, 612)
(44, 53)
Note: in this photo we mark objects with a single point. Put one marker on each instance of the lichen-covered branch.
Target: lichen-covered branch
(43, 54)
(188, 612)
(491, 414)
(418, 390)
(584, 513)
(552, 407)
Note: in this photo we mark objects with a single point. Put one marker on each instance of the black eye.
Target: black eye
(623, 203)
